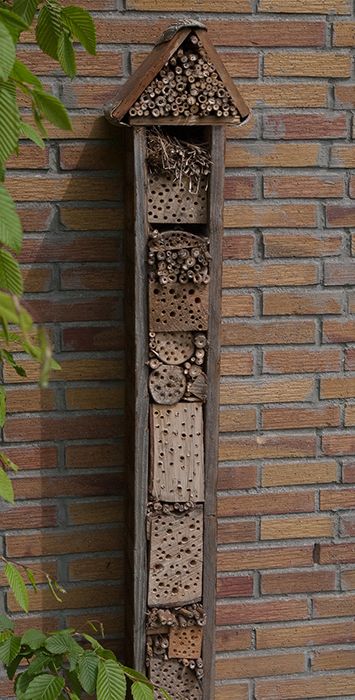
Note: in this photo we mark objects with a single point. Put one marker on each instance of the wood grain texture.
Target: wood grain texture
(185, 642)
(217, 137)
(175, 562)
(177, 452)
(137, 397)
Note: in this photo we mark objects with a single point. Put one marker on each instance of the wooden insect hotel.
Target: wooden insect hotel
(176, 104)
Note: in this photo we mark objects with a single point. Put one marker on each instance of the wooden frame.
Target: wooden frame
(138, 399)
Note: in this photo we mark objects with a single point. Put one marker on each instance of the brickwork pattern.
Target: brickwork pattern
(286, 560)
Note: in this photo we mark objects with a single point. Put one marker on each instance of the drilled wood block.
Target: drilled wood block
(167, 384)
(173, 348)
(175, 567)
(181, 683)
(170, 201)
(178, 307)
(185, 643)
(177, 457)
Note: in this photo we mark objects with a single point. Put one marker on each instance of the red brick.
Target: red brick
(283, 361)
(282, 418)
(336, 553)
(341, 499)
(27, 517)
(234, 586)
(261, 611)
(344, 34)
(349, 473)
(285, 95)
(309, 125)
(37, 218)
(293, 186)
(347, 524)
(93, 456)
(272, 155)
(33, 456)
(344, 96)
(190, 5)
(340, 215)
(63, 187)
(101, 219)
(311, 687)
(301, 245)
(90, 156)
(74, 308)
(269, 274)
(268, 332)
(343, 156)
(348, 579)
(29, 156)
(325, 64)
(265, 558)
(91, 277)
(78, 248)
(233, 640)
(65, 542)
(68, 427)
(237, 420)
(242, 305)
(339, 331)
(337, 387)
(334, 605)
(293, 527)
(341, 7)
(221, 32)
(94, 569)
(289, 473)
(302, 303)
(237, 364)
(240, 247)
(105, 63)
(263, 504)
(240, 187)
(269, 216)
(339, 273)
(237, 478)
(339, 443)
(89, 512)
(309, 634)
(266, 391)
(237, 691)
(282, 583)
(237, 531)
(91, 338)
(325, 660)
(75, 598)
(245, 667)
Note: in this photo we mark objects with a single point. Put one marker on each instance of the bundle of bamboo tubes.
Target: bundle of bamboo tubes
(187, 85)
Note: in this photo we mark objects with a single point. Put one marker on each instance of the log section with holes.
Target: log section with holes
(174, 291)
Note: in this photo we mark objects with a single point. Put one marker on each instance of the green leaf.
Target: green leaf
(13, 666)
(80, 23)
(165, 694)
(142, 691)
(10, 224)
(10, 274)
(52, 109)
(66, 55)
(33, 638)
(111, 681)
(45, 687)
(31, 578)
(14, 24)
(87, 671)
(6, 489)
(17, 585)
(7, 53)
(9, 121)
(49, 27)
(135, 675)
(7, 463)
(2, 405)
(22, 74)
(5, 623)
(26, 9)
(30, 133)
(8, 357)
(57, 643)
(40, 662)
(21, 684)
(9, 649)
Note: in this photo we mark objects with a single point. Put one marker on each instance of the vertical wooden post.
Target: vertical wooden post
(137, 402)
(215, 232)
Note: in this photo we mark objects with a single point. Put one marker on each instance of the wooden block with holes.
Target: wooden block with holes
(178, 307)
(171, 201)
(178, 681)
(185, 642)
(177, 456)
(175, 563)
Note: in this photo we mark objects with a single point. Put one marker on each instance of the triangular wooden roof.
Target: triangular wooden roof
(117, 111)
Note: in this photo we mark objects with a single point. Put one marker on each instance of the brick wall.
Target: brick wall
(286, 583)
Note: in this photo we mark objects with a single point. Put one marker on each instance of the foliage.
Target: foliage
(56, 28)
(47, 667)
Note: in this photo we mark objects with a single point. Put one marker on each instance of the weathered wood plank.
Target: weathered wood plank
(177, 461)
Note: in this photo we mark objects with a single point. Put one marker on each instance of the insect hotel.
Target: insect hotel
(176, 104)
